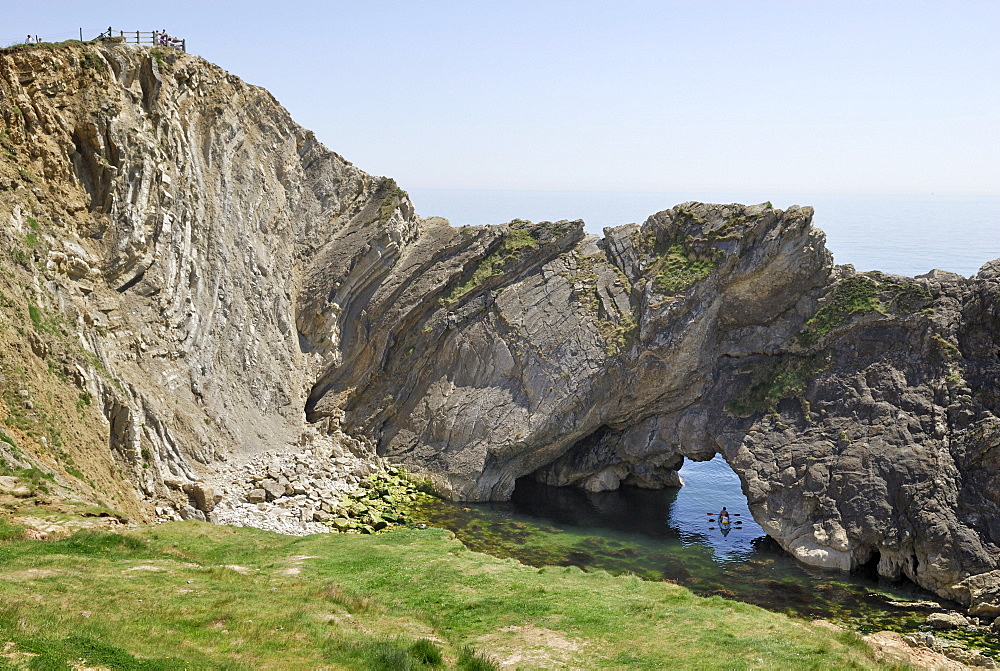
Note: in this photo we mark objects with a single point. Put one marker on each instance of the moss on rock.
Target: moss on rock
(775, 379)
(382, 503)
(861, 294)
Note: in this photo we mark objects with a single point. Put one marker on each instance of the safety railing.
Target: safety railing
(153, 37)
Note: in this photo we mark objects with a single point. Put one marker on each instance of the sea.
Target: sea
(672, 534)
(902, 235)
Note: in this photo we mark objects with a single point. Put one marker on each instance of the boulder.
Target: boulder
(12, 487)
(191, 513)
(202, 495)
(982, 593)
(947, 621)
(273, 489)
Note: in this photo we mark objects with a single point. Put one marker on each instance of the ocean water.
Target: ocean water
(904, 235)
(669, 534)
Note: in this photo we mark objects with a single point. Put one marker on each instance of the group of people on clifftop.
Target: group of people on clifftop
(161, 38)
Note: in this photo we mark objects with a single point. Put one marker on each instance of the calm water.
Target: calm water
(906, 235)
(667, 534)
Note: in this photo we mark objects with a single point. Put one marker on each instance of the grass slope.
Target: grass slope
(191, 595)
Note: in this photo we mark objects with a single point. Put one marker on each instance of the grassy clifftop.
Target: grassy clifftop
(190, 595)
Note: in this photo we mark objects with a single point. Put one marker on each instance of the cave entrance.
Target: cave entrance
(869, 569)
(682, 516)
(658, 534)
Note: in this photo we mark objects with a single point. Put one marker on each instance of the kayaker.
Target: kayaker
(724, 516)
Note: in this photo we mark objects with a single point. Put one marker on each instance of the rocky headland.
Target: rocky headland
(206, 313)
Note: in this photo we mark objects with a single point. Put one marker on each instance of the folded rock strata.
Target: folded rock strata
(225, 287)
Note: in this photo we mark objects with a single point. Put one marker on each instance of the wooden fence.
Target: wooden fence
(153, 38)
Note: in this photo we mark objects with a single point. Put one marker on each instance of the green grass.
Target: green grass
(674, 273)
(92, 61)
(515, 242)
(861, 294)
(35, 315)
(616, 334)
(10, 532)
(392, 199)
(45, 322)
(21, 257)
(776, 379)
(34, 479)
(944, 349)
(854, 295)
(201, 596)
(159, 56)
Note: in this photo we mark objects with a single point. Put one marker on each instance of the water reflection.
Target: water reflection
(668, 535)
(708, 486)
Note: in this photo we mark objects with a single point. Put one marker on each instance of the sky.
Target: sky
(871, 97)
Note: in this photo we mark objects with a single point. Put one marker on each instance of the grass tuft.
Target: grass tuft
(674, 272)
(99, 544)
(515, 243)
(352, 603)
(92, 61)
(427, 652)
(472, 660)
(776, 379)
(386, 654)
(861, 294)
(10, 532)
(854, 295)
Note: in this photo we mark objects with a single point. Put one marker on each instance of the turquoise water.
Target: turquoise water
(906, 235)
(669, 535)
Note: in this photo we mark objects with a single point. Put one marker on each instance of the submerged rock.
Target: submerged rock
(947, 621)
(263, 325)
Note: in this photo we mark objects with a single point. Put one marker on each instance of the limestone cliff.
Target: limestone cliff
(220, 284)
(160, 217)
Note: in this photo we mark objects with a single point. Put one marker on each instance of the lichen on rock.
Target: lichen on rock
(198, 283)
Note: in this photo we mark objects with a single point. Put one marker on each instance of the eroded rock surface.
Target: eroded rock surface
(216, 284)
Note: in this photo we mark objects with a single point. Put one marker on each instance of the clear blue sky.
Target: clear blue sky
(806, 96)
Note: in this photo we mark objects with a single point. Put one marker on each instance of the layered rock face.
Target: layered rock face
(537, 349)
(237, 287)
(889, 449)
(169, 213)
